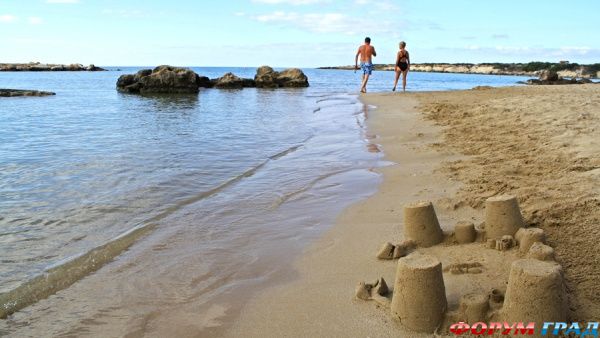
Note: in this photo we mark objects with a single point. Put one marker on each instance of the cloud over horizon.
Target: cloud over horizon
(62, 1)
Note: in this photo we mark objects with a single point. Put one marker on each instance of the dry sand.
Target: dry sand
(455, 149)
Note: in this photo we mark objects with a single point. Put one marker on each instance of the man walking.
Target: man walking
(366, 53)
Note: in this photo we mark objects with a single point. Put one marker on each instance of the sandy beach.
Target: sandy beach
(455, 149)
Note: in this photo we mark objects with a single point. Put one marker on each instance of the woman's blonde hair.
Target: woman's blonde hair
(402, 44)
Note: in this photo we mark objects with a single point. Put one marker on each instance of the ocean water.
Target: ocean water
(136, 214)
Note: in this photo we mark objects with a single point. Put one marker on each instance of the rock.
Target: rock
(266, 77)
(160, 80)
(292, 77)
(75, 67)
(168, 79)
(231, 81)
(39, 68)
(22, 92)
(92, 68)
(548, 75)
(203, 82)
(42, 67)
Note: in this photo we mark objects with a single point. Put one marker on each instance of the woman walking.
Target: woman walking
(402, 66)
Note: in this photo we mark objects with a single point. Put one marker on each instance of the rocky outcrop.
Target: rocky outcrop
(174, 80)
(46, 67)
(231, 81)
(521, 69)
(266, 77)
(23, 92)
(549, 77)
(162, 80)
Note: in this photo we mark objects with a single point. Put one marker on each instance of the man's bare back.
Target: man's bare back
(366, 53)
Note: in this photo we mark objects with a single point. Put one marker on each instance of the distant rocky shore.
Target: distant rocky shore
(175, 80)
(550, 77)
(23, 92)
(47, 67)
(568, 70)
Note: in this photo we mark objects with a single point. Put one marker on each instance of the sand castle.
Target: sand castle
(421, 224)
(419, 299)
(502, 216)
(535, 289)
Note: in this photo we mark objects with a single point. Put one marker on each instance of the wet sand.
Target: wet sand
(455, 149)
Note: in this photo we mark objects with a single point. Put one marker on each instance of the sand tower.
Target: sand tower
(465, 232)
(419, 299)
(473, 307)
(421, 224)
(535, 293)
(502, 216)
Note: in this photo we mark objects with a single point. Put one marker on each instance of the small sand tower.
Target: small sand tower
(502, 216)
(465, 232)
(421, 224)
(473, 307)
(419, 299)
(535, 293)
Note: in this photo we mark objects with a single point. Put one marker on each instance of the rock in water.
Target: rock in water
(548, 75)
(266, 77)
(161, 80)
(174, 80)
(22, 92)
(292, 77)
(231, 81)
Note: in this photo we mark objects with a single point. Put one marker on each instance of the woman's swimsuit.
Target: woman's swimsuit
(402, 62)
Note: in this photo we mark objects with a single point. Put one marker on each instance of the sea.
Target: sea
(124, 215)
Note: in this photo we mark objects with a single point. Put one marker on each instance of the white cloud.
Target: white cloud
(34, 20)
(124, 13)
(7, 18)
(326, 22)
(290, 2)
(62, 1)
(500, 36)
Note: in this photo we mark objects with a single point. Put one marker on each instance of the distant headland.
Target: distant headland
(563, 68)
(47, 67)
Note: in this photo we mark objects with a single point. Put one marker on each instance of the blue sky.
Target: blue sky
(305, 33)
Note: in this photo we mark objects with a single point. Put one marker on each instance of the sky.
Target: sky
(299, 33)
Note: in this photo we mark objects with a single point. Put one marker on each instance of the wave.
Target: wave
(66, 272)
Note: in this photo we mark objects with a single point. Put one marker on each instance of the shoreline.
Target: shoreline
(330, 268)
(422, 135)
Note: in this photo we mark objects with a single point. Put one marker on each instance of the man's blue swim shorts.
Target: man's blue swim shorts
(366, 67)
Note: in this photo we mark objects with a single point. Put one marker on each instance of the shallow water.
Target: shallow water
(225, 188)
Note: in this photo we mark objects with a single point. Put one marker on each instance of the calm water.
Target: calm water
(223, 187)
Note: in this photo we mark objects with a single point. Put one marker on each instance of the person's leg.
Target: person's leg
(404, 73)
(363, 89)
(397, 70)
